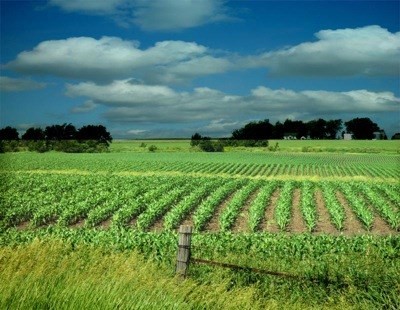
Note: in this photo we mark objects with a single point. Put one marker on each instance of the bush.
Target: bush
(11, 146)
(73, 146)
(38, 146)
(211, 146)
(245, 143)
(152, 148)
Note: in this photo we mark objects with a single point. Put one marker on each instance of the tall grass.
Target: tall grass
(53, 275)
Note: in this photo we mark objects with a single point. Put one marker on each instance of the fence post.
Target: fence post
(183, 256)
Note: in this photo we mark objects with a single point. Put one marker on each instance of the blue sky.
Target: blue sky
(169, 68)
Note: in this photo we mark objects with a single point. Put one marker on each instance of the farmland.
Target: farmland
(323, 214)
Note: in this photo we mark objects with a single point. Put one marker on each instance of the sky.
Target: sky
(170, 68)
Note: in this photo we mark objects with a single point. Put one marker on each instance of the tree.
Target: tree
(361, 128)
(60, 132)
(317, 129)
(195, 140)
(97, 133)
(9, 133)
(35, 134)
(333, 127)
(261, 130)
(295, 127)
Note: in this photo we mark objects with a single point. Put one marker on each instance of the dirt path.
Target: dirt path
(242, 221)
(297, 224)
(269, 224)
(23, 225)
(379, 225)
(352, 226)
(106, 223)
(78, 224)
(324, 224)
(213, 224)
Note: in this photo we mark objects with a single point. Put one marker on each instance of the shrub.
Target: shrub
(152, 148)
(211, 146)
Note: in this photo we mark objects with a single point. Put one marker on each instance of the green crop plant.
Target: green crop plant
(284, 205)
(231, 212)
(308, 207)
(257, 208)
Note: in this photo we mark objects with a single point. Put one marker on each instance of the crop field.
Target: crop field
(332, 219)
(239, 192)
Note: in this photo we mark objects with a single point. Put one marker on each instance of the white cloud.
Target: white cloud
(366, 51)
(127, 102)
(111, 58)
(85, 107)
(152, 15)
(8, 84)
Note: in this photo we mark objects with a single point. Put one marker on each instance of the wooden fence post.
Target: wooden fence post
(183, 256)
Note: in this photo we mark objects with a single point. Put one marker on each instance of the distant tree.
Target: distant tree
(261, 130)
(361, 128)
(60, 132)
(333, 127)
(97, 133)
(9, 133)
(279, 131)
(295, 127)
(34, 134)
(195, 140)
(317, 129)
(396, 136)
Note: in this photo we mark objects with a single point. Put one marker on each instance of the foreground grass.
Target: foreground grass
(55, 274)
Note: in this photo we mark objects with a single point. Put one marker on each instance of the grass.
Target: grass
(339, 146)
(54, 274)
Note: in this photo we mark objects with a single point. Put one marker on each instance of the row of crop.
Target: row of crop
(65, 199)
(288, 169)
(207, 208)
(385, 209)
(177, 214)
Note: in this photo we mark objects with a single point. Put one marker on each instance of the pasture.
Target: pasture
(311, 209)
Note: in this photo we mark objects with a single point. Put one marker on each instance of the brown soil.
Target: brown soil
(379, 225)
(213, 224)
(158, 225)
(242, 221)
(78, 224)
(106, 223)
(352, 226)
(23, 225)
(188, 221)
(269, 224)
(297, 224)
(324, 224)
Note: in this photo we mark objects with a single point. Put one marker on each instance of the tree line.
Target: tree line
(257, 133)
(360, 128)
(65, 138)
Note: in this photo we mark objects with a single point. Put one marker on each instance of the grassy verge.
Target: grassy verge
(127, 270)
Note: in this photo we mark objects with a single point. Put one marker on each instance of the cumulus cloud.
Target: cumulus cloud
(128, 102)
(154, 15)
(366, 51)
(8, 84)
(111, 58)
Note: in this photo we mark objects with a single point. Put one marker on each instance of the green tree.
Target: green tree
(361, 128)
(9, 133)
(35, 134)
(97, 133)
